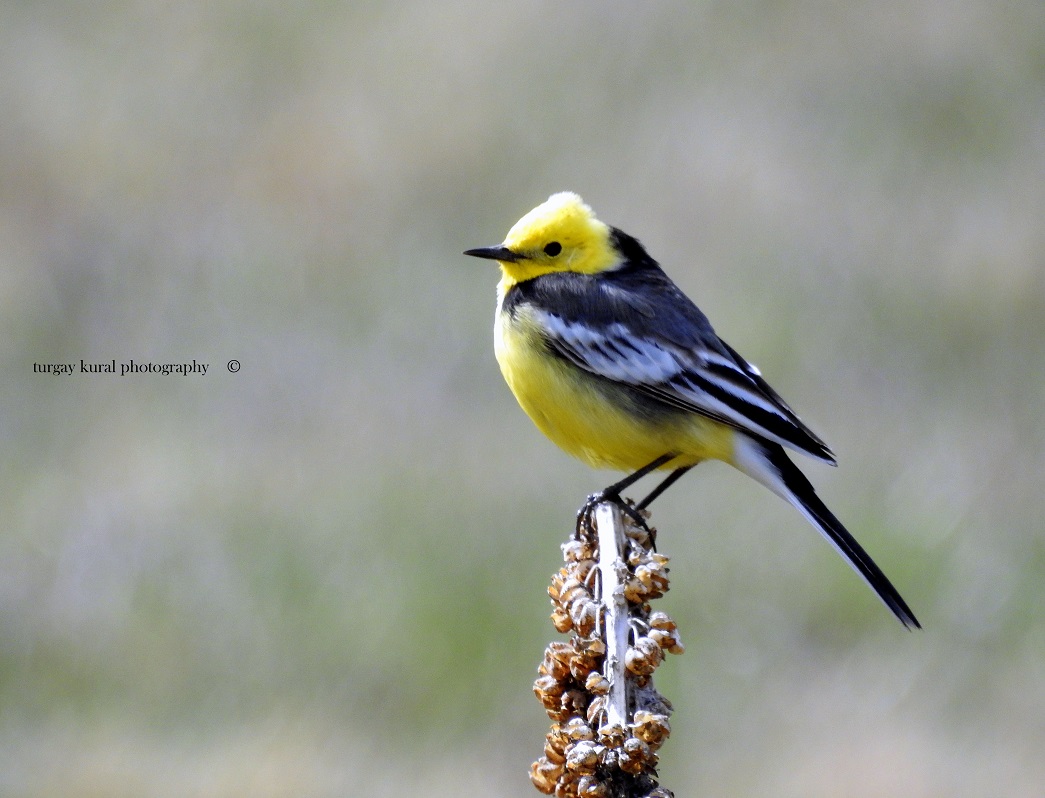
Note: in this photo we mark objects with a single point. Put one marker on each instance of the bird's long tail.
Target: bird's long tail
(767, 463)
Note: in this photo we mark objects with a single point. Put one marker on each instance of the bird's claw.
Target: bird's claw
(585, 516)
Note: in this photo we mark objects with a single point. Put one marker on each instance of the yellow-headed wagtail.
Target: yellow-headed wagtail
(620, 369)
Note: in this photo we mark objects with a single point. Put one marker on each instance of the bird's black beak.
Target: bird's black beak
(494, 253)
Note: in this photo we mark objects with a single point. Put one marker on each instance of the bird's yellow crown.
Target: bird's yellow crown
(561, 234)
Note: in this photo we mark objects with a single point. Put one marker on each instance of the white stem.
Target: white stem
(610, 527)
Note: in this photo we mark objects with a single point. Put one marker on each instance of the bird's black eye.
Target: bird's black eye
(552, 249)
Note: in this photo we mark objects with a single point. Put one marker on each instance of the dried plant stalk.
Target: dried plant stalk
(608, 721)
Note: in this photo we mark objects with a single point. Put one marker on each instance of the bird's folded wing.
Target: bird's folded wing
(677, 359)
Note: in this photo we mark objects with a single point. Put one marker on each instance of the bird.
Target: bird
(619, 368)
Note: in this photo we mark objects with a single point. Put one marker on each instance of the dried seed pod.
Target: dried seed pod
(648, 646)
(658, 588)
(597, 684)
(635, 747)
(560, 671)
(575, 550)
(548, 691)
(553, 753)
(560, 650)
(591, 787)
(651, 727)
(545, 775)
(635, 756)
(558, 715)
(561, 620)
(548, 684)
(653, 578)
(634, 591)
(576, 729)
(583, 756)
(583, 614)
(612, 735)
(644, 573)
(580, 667)
(660, 578)
(583, 571)
(555, 588)
(630, 764)
(556, 661)
(668, 641)
(572, 590)
(595, 710)
(588, 657)
(643, 657)
(593, 647)
(567, 785)
(663, 639)
(661, 620)
(658, 636)
(558, 737)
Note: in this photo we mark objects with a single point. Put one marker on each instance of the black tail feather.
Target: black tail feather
(800, 488)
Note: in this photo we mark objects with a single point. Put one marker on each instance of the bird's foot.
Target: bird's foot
(586, 515)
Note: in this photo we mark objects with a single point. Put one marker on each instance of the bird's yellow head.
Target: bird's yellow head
(559, 235)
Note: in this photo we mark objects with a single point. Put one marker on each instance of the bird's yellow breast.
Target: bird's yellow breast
(591, 418)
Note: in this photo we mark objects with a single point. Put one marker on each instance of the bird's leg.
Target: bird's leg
(612, 493)
(663, 486)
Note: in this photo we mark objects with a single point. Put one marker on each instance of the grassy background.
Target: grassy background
(324, 575)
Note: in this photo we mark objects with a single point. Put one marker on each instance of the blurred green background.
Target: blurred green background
(324, 575)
